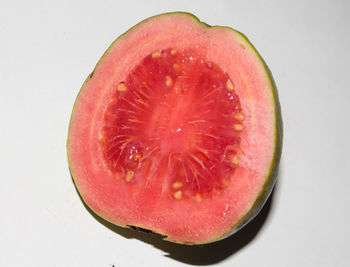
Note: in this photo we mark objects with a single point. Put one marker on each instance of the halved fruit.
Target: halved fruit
(177, 130)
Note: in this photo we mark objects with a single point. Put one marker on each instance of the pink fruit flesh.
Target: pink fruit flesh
(173, 119)
(152, 143)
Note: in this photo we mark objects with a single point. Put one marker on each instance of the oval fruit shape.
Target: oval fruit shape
(177, 130)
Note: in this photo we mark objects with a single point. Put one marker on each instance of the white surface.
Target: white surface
(46, 51)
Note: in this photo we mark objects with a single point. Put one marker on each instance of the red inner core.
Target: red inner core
(175, 120)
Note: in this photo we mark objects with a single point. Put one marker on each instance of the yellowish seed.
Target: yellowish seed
(239, 116)
(238, 127)
(156, 54)
(198, 197)
(138, 156)
(177, 68)
(102, 137)
(235, 160)
(177, 185)
(173, 52)
(229, 85)
(129, 176)
(178, 194)
(168, 81)
(121, 87)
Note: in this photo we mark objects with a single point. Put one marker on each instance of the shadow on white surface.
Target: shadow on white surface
(197, 254)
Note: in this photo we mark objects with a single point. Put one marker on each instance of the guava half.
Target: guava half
(177, 130)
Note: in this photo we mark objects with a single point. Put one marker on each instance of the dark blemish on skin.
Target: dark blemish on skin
(91, 74)
(147, 232)
(141, 229)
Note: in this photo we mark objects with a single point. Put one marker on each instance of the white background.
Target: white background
(47, 49)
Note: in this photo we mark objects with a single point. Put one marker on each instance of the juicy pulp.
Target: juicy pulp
(172, 123)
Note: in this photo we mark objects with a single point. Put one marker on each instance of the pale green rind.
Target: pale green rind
(271, 176)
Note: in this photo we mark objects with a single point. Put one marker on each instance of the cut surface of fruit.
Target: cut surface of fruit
(177, 133)
(176, 122)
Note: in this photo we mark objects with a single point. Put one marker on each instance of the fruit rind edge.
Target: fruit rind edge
(271, 177)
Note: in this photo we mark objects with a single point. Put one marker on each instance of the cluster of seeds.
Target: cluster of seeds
(178, 117)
